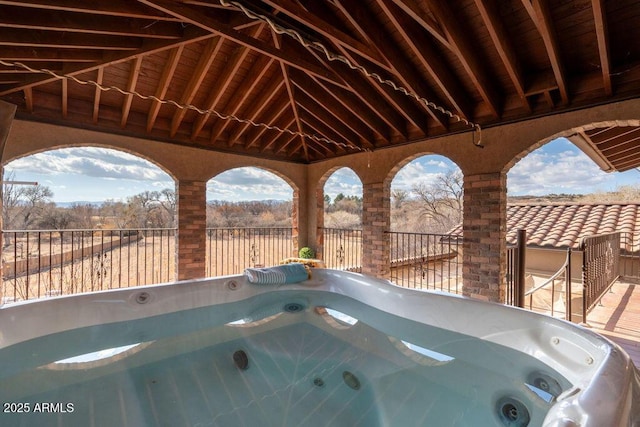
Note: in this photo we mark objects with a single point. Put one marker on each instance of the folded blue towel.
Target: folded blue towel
(281, 274)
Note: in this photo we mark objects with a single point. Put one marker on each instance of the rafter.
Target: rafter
(329, 31)
(323, 125)
(341, 115)
(253, 80)
(65, 98)
(291, 96)
(56, 39)
(504, 46)
(261, 102)
(466, 53)
(539, 12)
(74, 22)
(280, 109)
(412, 9)
(192, 34)
(223, 81)
(131, 85)
(163, 84)
(599, 15)
(199, 73)
(209, 23)
(351, 102)
(428, 58)
(268, 142)
(97, 95)
(122, 8)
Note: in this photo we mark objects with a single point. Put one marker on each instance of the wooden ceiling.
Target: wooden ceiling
(225, 75)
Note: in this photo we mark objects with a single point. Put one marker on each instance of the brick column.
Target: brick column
(484, 234)
(295, 223)
(192, 222)
(376, 220)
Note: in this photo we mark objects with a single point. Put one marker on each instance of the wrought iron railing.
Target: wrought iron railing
(45, 263)
(630, 256)
(426, 261)
(546, 296)
(600, 267)
(342, 249)
(232, 249)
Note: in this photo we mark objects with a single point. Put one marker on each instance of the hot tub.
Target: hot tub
(340, 349)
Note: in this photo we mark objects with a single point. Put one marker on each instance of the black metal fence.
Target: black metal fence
(44, 263)
(426, 261)
(231, 250)
(342, 249)
(600, 267)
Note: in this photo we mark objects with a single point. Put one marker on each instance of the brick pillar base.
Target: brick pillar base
(484, 236)
(376, 221)
(192, 223)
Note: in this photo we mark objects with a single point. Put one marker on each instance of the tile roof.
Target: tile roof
(563, 225)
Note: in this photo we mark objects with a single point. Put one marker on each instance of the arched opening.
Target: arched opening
(85, 219)
(342, 219)
(251, 220)
(427, 195)
(561, 193)
(426, 207)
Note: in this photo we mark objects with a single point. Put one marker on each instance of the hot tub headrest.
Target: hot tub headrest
(277, 275)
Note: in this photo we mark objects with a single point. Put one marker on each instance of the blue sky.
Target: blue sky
(95, 174)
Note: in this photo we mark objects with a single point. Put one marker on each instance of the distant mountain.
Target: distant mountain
(79, 202)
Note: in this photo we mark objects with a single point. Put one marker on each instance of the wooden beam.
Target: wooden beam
(261, 102)
(539, 12)
(163, 84)
(599, 15)
(412, 8)
(131, 86)
(73, 22)
(334, 125)
(291, 96)
(351, 102)
(65, 98)
(339, 113)
(504, 47)
(279, 109)
(192, 34)
(56, 39)
(429, 59)
(467, 54)
(223, 81)
(209, 23)
(97, 94)
(28, 99)
(197, 76)
(330, 31)
(122, 8)
(253, 80)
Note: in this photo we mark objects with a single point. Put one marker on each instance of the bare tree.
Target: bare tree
(22, 206)
(441, 201)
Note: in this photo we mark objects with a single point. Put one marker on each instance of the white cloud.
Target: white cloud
(423, 170)
(343, 181)
(568, 171)
(248, 183)
(90, 162)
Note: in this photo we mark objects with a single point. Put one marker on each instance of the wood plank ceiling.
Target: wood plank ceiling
(213, 75)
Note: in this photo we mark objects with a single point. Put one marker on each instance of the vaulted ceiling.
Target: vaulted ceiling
(307, 80)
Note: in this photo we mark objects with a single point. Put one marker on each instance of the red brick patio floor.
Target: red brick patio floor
(617, 317)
